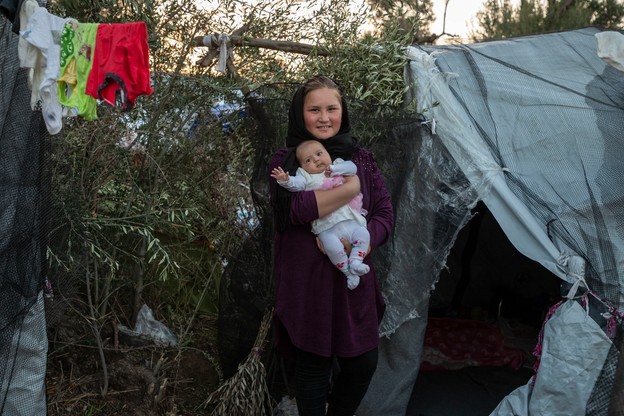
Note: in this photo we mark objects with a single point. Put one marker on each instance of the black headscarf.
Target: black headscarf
(342, 145)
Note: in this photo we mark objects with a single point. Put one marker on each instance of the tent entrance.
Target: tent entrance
(485, 315)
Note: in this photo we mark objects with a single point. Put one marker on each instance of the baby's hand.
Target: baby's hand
(345, 168)
(279, 174)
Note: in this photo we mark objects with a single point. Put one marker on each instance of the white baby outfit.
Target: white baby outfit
(345, 222)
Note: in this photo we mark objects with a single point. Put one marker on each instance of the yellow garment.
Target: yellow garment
(70, 74)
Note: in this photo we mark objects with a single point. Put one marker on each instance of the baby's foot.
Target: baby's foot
(353, 281)
(359, 268)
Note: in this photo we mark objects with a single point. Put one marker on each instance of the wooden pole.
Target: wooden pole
(211, 41)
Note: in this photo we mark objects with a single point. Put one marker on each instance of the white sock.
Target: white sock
(359, 268)
(352, 281)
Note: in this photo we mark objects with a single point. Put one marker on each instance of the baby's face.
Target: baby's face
(313, 157)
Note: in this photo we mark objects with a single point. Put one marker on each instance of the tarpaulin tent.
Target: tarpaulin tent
(533, 127)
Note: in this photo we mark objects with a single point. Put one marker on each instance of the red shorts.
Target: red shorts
(120, 70)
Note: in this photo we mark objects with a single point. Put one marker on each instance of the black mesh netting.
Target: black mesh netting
(23, 210)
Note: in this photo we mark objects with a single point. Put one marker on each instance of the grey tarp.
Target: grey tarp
(536, 125)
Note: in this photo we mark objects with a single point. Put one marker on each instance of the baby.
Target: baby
(317, 171)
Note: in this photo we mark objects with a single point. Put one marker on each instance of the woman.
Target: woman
(317, 317)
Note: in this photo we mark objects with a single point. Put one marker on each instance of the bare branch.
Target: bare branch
(444, 16)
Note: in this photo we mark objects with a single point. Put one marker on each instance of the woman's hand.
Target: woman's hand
(346, 243)
(329, 200)
(320, 245)
(355, 182)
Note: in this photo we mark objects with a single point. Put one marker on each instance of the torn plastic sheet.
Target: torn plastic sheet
(567, 371)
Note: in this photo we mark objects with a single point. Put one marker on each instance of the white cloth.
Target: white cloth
(28, 54)
(43, 31)
(611, 48)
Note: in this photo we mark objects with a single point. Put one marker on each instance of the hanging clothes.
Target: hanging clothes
(29, 56)
(75, 64)
(43, 31)
(120, 71)
(77, 45)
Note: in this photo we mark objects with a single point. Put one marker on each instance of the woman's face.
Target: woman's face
(322, 113)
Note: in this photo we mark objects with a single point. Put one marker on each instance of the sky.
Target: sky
(460, 16)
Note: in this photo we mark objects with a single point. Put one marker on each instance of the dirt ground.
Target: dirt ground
(135, 381)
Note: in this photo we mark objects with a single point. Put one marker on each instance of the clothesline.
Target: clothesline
(74, 65)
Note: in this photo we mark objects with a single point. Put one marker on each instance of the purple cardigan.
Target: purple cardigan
(315, 311)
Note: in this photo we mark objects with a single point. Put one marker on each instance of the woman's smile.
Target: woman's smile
(322, 113)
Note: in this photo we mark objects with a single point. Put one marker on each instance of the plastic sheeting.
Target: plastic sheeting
(566, 368)
(536, 125)
(548, 111)
(23, 387)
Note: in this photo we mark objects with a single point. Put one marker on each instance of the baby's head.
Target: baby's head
(313, 157)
